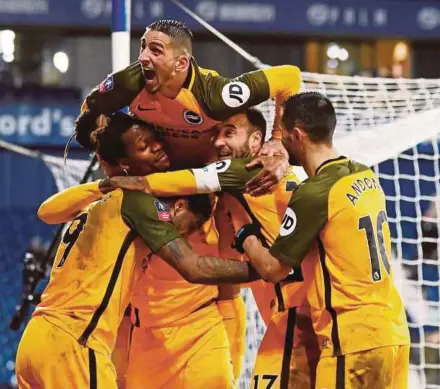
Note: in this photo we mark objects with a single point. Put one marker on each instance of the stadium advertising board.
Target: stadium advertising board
(317, 17)
(37, 124)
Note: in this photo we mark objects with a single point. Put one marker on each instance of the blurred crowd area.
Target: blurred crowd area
(50, 58)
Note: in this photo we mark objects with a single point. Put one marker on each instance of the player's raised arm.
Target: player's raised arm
(116, 91)
(229, 96)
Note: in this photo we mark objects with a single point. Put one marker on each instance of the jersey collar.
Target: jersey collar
(189, 81)
(329, 162)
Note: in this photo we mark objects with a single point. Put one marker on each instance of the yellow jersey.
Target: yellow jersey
(267, 211)
(163, 297)
(98, 263)
(336, 229)
(187, 122)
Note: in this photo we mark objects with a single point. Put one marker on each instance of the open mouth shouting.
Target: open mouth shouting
(150, 79)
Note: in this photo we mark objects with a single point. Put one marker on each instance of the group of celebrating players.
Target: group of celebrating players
(145, 288)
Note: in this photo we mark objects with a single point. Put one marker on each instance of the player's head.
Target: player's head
(128, 146)
(242, 135)
(166, 49)
(309, 120)
(189, 213)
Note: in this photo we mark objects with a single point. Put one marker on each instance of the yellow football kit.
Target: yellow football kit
(289, 351)
(164, 302)
(187, 122)
(336, 229)
(96, 268)
(179, 340)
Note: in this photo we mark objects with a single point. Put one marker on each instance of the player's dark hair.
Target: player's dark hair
(176, 30)
(312, 112)
(256, 118)
(201, 205)
(107, 139)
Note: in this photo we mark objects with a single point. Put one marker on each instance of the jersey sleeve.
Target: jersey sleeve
(221, 175)
(305, 217)
(66, 205)
(225, 97)
(150, 218)
(179, 182)
(116, 91)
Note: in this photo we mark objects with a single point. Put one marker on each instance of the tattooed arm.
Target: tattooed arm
(201, 269)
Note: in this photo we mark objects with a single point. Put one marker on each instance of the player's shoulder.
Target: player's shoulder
(144, 205)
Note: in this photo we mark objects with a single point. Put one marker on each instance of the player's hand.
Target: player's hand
(123, 182)
(270, 175)
(237, 214)
(273, 147)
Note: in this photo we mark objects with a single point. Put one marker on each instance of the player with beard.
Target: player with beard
(289, 351)
(335, 230)
(100, 259)
(166, 87)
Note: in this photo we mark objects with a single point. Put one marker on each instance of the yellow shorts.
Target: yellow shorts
(381, 368)
(121, 351)
(288, 354)
(192, 355)
(50, 358)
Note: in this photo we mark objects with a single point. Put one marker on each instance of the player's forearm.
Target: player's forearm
(213, 271)
(205, 270)
(66, 205)
(269, 267)
(284, 81)
(180, 182)
(277, 132)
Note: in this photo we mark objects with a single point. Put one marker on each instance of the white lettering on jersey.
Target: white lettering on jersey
(289, 222)
(235, 94)
(222, 166)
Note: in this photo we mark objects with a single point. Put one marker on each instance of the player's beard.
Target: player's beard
(243, 152)
(293, 161)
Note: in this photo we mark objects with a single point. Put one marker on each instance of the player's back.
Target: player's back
(97, 264)
(163, 297)
(355, 303)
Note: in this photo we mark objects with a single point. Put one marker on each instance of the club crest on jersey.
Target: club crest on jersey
(107, 85)
(289, 222)
(191, 117)
(163, 213)
(235, 94)
(222, 166)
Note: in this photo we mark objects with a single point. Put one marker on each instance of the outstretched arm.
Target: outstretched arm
(206, 270)
(66, 205)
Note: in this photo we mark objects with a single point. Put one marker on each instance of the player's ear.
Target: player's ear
(180, 205)
(255, 140)
(297, 134)
(182, 64)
